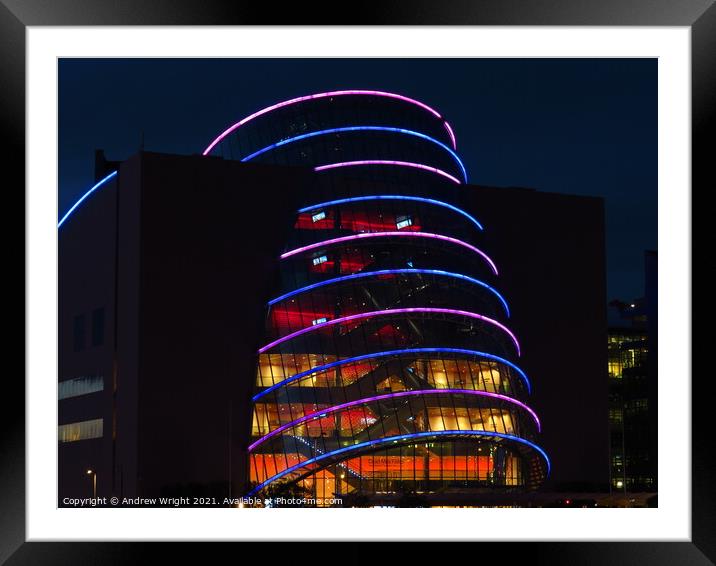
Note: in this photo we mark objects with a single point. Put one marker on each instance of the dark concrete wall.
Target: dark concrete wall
(126, 395)
(86, 243)
(550, 251)
(211, 234)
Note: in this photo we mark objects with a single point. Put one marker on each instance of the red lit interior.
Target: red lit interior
(305, 221)
(351, 262)
(355, 221)
(373, 463)
(353, 372)
(291, 318)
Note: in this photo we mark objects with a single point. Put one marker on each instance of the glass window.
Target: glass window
(403, 222)
(319, 259)
(82, 430)
(80, 386)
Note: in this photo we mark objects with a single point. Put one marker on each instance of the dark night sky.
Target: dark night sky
(577, 126)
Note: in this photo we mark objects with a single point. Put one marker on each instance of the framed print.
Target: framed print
(407, 288)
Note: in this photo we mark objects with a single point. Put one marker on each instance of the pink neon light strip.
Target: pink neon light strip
(319, 95)
(358, 316)
(364, 235)
(451, 134)
(387, 162)
(323, 412)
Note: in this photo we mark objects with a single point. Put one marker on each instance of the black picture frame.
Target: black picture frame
(699, 15)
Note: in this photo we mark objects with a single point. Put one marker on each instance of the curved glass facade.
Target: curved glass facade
(388, 362)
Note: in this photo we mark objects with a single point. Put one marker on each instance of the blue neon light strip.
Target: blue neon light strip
(325, 367)
(359, 129)
(84, 196)
(411, 436)
(393, 197)
(392, 272)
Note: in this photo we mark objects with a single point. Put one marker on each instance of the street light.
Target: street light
(92, 473)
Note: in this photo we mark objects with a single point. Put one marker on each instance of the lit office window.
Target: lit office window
(403, 222)
(83, 430)
(80, 386)
(320, 259)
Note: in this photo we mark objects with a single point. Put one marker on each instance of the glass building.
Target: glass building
(633, 466)
(388, 363)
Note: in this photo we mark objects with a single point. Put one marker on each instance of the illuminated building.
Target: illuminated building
(323, 300)
(632, 390)
(389, 364)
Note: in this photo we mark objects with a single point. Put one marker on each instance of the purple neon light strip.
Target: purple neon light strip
(364, 235)
(451, 134)
(322, 412)
(388, 162)
(314, 96)
(358, 316)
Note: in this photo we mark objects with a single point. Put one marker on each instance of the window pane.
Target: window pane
(80, 386)
(83, 430)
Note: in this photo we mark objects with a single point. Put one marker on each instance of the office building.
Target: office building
(323, 303)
